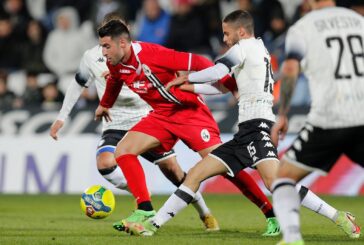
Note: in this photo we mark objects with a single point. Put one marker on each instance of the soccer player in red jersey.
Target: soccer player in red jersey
(145, 68)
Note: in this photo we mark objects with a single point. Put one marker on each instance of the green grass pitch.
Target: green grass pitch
(57, 219)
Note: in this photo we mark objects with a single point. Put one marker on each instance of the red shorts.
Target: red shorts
(198, 131)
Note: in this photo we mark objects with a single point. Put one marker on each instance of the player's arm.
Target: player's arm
(233, 57)
(73, 93)
(112, 90)
(221, 87)
(180, 61)
(295, 51)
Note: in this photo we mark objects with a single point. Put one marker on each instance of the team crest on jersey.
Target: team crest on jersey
(205, 135)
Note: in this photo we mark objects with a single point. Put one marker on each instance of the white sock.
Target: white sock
(286, 204)
(117, 178)
(311, 201)
(175, 203)
(199, 204)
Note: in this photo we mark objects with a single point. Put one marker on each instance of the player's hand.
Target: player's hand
(56, 126)
(176, 82)
(102, 112)
(105, 74)
(187, 87)
(279, 129)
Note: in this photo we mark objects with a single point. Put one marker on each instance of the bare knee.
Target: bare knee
(105, 160)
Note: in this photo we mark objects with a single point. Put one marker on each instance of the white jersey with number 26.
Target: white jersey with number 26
(330, 44)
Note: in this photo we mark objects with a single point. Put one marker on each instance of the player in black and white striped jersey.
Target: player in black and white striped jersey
(328, 43)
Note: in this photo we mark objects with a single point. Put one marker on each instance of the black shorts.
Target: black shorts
(110, 138)
(319, 149)
(250, 146)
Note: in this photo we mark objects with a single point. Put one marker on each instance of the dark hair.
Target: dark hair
(241, 18)
(114, 28)
(113, 16)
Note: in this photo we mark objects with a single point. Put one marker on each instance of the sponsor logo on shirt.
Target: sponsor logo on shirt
(263, 125)
(271, 154)
(140, 87)
(124, 71)
(100, 59)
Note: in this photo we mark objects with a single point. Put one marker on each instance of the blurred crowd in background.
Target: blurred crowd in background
(42, 41)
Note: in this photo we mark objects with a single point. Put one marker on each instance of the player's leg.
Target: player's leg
(200, 138)
(248, 186)
(126, 152)
(314, 149)
(148, 134)
(167, 163)
(183, 196)
(286, 203)
(105, 159)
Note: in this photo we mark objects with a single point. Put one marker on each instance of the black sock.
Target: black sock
(146, 206)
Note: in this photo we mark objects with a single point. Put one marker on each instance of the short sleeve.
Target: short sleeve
(83, 75)
(295, 47)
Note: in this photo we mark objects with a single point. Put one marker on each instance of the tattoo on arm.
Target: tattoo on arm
(288, 84)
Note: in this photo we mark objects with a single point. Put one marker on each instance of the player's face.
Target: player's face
(112, 49)
(231, 34)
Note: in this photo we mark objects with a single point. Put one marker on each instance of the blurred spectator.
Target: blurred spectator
(357, 6)
(7, 98)
(274, 37)
(36, 8)
(102, 7)
(152, 23)
(188, 32)
(9, 45)
(32, 95)
(32, 48)
(211, 13)
(51, 97)
(301, 10)
(83, 8)
(65, 45)
(266, 11)
(18, 15)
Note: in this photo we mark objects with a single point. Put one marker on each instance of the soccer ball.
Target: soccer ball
(97, 202)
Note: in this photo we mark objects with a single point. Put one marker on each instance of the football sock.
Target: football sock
(199, 204)
(175, 203)
(311, 201)
(286, 203)
(114, 176)
(135, 177)
(251, 190)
